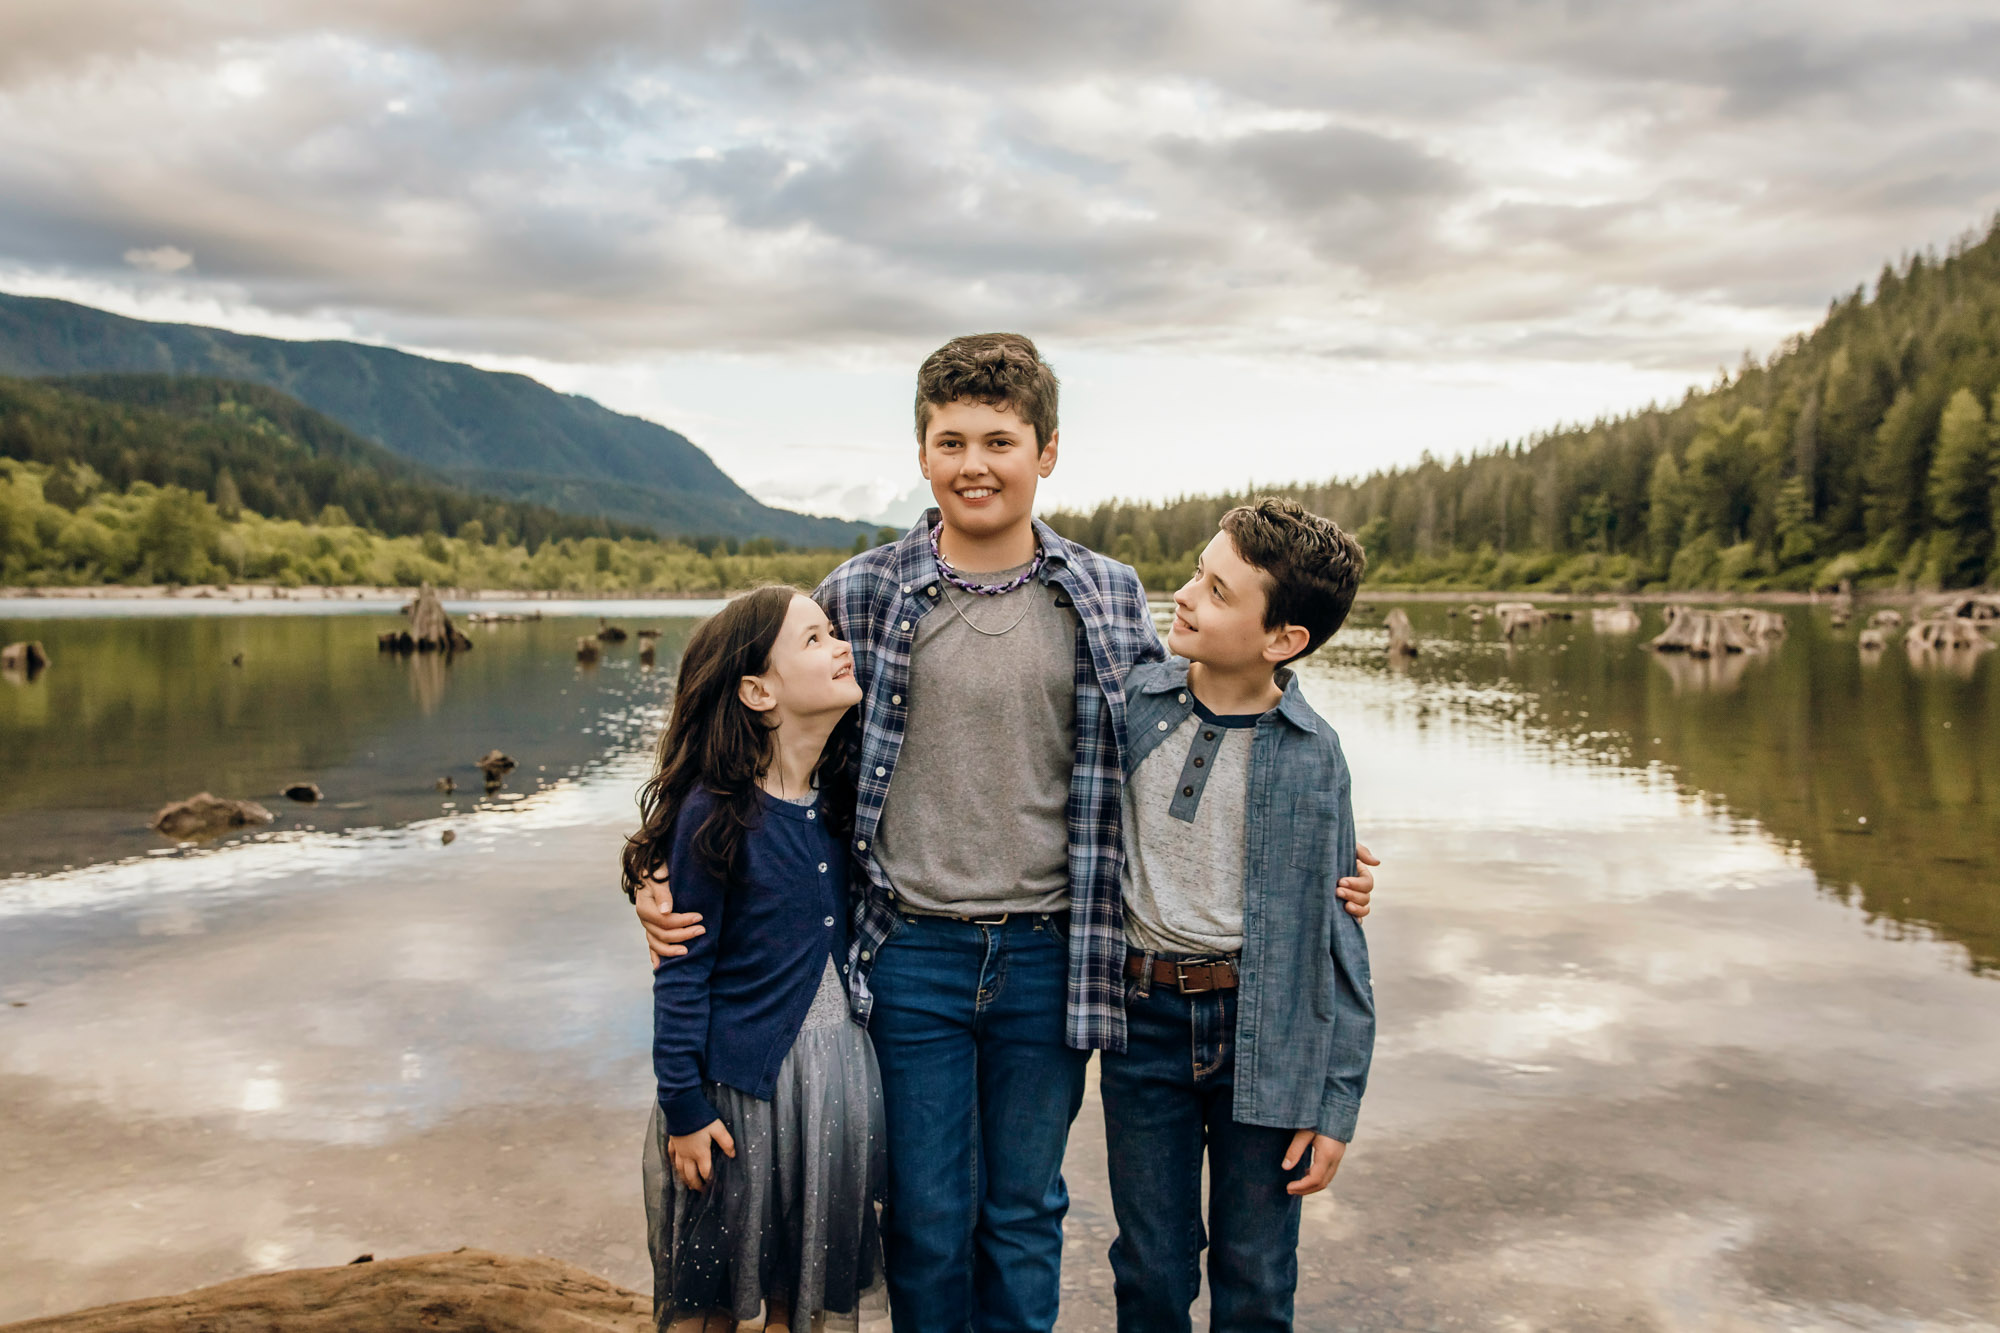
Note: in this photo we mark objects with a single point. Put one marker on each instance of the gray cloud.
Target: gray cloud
(1575, 178)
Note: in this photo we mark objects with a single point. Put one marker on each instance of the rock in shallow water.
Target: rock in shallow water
(206, 816)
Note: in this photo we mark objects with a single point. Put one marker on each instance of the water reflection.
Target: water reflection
(1881, 772)
(140, 712)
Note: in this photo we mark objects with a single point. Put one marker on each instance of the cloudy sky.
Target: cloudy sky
(1260, 240)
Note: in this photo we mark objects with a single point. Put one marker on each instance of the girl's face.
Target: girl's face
(812, 669)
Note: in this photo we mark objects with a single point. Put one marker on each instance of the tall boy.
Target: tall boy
(989, 946)
(1251, 1020)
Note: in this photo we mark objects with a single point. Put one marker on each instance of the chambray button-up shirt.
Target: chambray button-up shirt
(1305, 1013)
(875, 601)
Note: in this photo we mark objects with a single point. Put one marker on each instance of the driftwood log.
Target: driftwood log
(1620, 619)
(430, 629)
(466, 1291)
(1757, 624)
(1703, 634)
(1402, 638)
(1886, 618)
(206, 816)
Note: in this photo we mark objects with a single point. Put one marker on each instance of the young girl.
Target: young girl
(765, 1159)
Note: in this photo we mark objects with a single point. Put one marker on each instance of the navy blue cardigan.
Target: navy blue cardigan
(729, 1009)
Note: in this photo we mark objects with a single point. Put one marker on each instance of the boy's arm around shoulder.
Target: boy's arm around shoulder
(680, 984)
(1353, 1045)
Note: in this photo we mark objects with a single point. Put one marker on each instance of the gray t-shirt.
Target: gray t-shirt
(976, 818)
(1184, 834)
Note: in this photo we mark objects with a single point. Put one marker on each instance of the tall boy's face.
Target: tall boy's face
(982, 465)
(1219, 611)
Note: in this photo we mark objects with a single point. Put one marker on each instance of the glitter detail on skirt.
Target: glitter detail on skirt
(794, 1214)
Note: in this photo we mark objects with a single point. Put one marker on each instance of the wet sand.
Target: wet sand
(1635, 1071)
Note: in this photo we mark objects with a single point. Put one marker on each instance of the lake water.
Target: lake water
(1685, 974)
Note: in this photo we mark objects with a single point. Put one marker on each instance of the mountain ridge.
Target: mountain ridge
(492, 431)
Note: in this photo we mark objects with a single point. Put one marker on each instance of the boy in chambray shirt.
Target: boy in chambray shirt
(1250, 1019)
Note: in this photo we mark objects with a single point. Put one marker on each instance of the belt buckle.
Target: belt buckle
(998, 919)
(1181, 981)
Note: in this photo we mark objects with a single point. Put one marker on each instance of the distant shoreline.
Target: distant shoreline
(271, 592)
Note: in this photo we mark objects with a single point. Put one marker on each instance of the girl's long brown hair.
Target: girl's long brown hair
(712, 742)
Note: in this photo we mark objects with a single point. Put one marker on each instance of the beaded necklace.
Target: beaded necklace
(958, 580)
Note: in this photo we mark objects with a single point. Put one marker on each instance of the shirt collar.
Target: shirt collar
(1172, 674)
(917, 567)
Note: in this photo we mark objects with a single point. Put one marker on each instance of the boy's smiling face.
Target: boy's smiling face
(982, 465)
(1219, 613)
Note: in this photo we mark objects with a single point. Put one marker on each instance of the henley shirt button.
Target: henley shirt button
(1199, 761)
(1163, 726)
(1208, 735)
(1187, 791)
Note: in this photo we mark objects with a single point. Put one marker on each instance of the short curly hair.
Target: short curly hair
(1002, 370)
(1311, 567)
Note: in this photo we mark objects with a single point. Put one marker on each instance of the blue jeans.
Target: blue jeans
(1166, 1102)
(979, 1090)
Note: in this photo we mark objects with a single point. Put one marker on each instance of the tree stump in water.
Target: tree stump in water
(466, 1291)
(587, 650)
(1969, 606)
(430, 630)
(1947, 634)
(1519, 617)
(1886, 618)
(24, 660)
(1703, 634)
(1402, 639)
(1619, 619)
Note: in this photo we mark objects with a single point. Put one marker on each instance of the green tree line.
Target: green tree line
(164, 479)
(247, 447)
(1868, 449)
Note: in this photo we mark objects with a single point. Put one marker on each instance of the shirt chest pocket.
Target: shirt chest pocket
(1307, 826)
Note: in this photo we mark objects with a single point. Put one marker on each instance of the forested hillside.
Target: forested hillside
(1868, 449)
(172, 479)
(248, 447)
(487, 431)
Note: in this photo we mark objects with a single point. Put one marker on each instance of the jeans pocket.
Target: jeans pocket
(1057, 927)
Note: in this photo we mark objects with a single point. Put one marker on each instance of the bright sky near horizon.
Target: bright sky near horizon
(1265, 240)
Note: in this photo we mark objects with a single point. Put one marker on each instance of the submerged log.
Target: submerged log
(1402, 639)
(465, 1291)
(1703, 634)
(649, 634)
(205, 816)
(1620, 619)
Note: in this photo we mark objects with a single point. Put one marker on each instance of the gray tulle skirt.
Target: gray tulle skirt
(793, 1216)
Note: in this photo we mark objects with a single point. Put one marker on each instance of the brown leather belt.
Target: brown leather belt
(1187, 978)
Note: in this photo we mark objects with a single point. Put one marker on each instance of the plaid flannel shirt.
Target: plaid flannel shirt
(875, 601)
